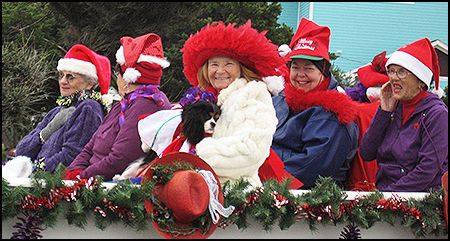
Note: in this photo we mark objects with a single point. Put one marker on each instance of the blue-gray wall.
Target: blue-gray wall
(363, 29)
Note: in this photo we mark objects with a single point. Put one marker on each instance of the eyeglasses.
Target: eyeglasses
(401, 73)
(69, 77)
(305, 69)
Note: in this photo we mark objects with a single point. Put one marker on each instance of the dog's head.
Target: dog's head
(199, 118)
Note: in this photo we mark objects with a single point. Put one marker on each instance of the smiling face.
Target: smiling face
(305, 75)
(222, 71)
(405, 88)
(70, 82)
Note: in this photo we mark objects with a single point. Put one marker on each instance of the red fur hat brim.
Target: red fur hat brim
(244, 44)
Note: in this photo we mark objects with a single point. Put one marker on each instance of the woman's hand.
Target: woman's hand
(387, 100)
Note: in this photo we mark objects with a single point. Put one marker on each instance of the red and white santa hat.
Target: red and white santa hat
(374, 74)
(142, 59)
(421, 59)
(80, 59)
(311, 42)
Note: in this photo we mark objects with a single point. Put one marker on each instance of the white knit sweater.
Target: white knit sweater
(243, 134)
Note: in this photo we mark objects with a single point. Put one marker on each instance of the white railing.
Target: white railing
(299, 230)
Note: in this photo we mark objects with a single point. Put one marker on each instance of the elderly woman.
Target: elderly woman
(409, 133)
(66, 129)
(316, 134)
(231, 62)
(116, 143)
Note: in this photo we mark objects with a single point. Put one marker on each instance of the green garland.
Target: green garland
(273, 202)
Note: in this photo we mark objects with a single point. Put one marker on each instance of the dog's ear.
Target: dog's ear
(193, 121)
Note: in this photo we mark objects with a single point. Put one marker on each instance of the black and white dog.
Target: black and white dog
(199, 119)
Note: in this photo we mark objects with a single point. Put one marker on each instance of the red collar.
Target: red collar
(332, 101)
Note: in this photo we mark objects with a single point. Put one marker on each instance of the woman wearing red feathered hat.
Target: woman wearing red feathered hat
(116, 143)
(233, 63)
(316, 134)
(408, 135)
(58, 138)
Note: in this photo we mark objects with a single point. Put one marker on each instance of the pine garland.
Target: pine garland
(271, 204)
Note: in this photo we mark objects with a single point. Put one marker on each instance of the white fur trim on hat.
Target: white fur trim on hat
(439, 92)
(284, 50)
(77, 66)
(340, 89)
(131, 75)
(275, 84)
(412, 64)
(120, 58)
(152, 59)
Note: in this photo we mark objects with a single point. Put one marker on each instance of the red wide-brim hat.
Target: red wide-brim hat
(244, 44)
(168, 160)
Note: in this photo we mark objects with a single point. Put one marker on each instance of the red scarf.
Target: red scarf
(410, 106)
(330, 100)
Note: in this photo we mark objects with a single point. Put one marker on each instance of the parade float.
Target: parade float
(45, 206)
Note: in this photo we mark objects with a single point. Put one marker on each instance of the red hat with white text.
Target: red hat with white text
(311, 42)
(142, 59)
(80, 59)
(419, 58)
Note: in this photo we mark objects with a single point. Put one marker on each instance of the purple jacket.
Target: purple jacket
(114, 147)
(65, 143)
(411, 158)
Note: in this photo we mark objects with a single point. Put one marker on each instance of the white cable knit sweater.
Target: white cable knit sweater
(243, 134)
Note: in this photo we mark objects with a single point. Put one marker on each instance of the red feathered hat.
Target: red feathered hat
(374, 74)
(182, 195)
(142, 59)
(311, 41)
(80, 59)
(421, 59)
(244, 44)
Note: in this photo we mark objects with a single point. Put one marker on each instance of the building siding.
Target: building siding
(363, 29)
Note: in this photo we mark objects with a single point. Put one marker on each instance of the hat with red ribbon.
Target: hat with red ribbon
(187, 198)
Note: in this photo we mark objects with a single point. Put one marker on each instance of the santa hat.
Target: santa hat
(421, 59)
(186, 189)
(142, 59)
(244, 44)
(311, 42)
(374, 74)
(80, 59)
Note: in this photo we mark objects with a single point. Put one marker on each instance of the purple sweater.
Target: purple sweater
(413, 157)
(65, 143)
(114, 147)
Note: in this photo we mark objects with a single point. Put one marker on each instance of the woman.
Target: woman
(316, 134)
(231, 62)
(58, 137)
(116, 143)
(409, 133)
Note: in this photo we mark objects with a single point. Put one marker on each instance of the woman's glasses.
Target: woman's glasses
(69, 76)
(401, 73)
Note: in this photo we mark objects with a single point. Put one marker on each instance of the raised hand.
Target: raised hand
(387, 100)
